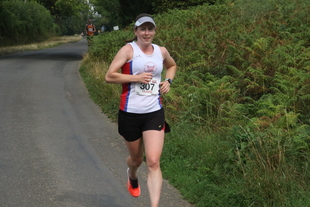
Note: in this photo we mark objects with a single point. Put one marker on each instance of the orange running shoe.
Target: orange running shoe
(133, 186)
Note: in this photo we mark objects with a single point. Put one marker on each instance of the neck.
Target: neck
(146, 48)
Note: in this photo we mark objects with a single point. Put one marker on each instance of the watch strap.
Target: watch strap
(169, 80)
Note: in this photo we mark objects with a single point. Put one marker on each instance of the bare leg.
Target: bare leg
(153, 143)
(135, 158)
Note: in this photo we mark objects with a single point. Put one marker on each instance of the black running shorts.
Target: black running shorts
(131, 125)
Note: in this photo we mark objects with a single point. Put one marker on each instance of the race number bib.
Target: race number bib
(90, 29)
(147, 89)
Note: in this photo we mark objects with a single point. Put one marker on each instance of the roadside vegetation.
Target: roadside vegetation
(23, 23)
(239, 105)
(34, 21)
(51, 42)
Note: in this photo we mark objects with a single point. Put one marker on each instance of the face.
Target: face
(145, 33)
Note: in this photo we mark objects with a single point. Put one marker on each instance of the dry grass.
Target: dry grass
(52, 42)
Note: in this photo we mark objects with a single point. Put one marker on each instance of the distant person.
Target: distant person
(90, 30)
(102, 28)
(141, 118)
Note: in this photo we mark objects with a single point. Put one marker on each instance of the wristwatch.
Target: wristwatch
(169, 80)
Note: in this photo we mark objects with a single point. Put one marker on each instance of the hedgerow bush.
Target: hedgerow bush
(24, 22)
(239, 105)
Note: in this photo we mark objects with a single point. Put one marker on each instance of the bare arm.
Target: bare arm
(113, 76)
(171, 67)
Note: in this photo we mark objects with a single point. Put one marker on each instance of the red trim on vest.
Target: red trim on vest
(126, 69)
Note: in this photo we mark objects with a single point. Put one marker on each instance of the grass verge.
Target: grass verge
(239, 105)
(51, 42)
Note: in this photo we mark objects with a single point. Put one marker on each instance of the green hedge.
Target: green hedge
(24, 22)
(239, 106)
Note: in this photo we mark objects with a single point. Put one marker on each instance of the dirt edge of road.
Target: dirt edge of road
(51, 42)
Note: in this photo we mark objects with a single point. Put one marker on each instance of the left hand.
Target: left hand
(164, 87)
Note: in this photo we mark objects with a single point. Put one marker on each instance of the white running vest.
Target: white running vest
(142, 98)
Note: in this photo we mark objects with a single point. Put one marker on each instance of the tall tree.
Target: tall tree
(123, 12)
(130, 9)
(65, 8)
(109, 9)
(24, 22)
(70, 15)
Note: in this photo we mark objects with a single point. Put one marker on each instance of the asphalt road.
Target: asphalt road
(56, 147)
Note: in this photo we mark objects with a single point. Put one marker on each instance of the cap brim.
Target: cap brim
(143, 20)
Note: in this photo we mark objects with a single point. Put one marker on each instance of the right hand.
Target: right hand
(145, 77)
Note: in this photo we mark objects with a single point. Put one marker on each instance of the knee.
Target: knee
(153, 163)
(136, 161)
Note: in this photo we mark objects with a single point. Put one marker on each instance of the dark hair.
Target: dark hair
(138, 17)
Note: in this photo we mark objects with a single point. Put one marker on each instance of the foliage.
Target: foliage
(91, 71)
(109, 10)
(65, 8)
(161, 6)
(70, 15)
(123, 12)
(38, 23)
(239, 105)
(51, 42)
(24, 23)
(131, 9)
